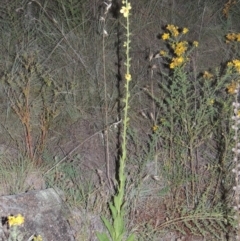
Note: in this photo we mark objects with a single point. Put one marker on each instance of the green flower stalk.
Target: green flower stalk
(116, 229)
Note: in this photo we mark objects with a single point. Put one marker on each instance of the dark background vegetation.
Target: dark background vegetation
(53, 106)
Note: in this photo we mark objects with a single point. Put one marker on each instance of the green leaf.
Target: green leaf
(118, 225)
(117, 202)
(113, 210)
(120, 238)
(102, 237)
(109, 227)
(131, 237)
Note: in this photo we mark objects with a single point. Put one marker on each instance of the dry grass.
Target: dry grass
(66, 39)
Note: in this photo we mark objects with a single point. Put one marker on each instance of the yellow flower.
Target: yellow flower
(231, 88)
(165, 36)
(176, 62)
(163, 121)
(211, 101)
(125, 10)
(15, 220)
(180, 48)
(227, 7)
(238, 113)
(207, 75)
(185, 30)
(38, 238)
(235, 64)
(231, 36)
(173, 46)
(195, 43)
(128, 77)
(163, 53)
(173, 30)
(155, 128)
(238, 37)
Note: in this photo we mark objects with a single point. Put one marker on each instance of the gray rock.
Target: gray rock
(44, 213)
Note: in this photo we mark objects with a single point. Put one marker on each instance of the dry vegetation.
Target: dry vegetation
(54, 102)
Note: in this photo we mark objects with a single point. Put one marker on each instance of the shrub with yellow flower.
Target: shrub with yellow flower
(178, 50)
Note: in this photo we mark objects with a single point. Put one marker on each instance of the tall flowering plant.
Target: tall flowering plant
(116, 228)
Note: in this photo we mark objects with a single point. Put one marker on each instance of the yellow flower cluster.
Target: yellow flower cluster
(233, 37)
(185, 30)
(166, 36)
(173, 30)
(227, 7)
(176, 62)
(38, 238)
(207, 75)
(180, 48)
(231, 88)
(235, 64)
(15, 220)
(211, 101)
(125, 9)
(195, 43)
(163, 53)
(155, 128)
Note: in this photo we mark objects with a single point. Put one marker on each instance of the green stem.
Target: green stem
(126, 119)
